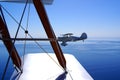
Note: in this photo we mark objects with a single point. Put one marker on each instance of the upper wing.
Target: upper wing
(29, 1)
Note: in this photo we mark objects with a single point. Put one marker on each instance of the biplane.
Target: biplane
(69, 38)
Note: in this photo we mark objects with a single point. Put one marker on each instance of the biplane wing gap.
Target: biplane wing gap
(50, 33)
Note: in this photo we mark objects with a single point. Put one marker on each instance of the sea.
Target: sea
(100, 57)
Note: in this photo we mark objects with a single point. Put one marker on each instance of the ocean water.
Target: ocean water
(101, 58)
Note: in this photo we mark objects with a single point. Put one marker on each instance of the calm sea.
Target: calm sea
(101, 58)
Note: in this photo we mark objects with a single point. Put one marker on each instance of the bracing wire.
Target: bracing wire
(8, 59)
(26, 33)
(3, 76)
(20, 21)
(32, 37)
(12, 17)
(19, 25)
(24, 51)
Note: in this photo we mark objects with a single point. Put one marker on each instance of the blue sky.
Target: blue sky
(98, 18)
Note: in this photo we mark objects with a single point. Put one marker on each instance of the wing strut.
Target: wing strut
(9, 45)
(50, 33)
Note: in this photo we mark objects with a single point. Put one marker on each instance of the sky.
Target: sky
(97, 18)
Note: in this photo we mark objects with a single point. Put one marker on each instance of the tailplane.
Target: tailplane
(83, 36)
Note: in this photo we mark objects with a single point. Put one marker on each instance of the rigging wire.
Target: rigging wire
(12, 17)
(3, 76)
(24, 50)
(32, 38)
(69, 73)
(8, 59)
(19, 25)
(20, 21)
(46, 52)
(26, 33)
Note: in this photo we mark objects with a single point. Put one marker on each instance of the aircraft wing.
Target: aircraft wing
(29, 1)
(68, 34)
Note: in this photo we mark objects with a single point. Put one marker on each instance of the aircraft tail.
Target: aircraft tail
(83, 36)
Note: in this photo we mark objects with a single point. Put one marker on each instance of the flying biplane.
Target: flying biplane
(69, 38)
